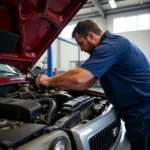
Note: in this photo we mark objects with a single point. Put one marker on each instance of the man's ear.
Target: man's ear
(90, 36)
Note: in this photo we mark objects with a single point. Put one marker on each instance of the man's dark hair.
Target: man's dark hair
(85, 26)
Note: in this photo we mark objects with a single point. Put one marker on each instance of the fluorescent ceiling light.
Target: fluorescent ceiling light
(112, 4)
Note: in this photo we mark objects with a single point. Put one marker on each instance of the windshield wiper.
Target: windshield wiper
(4, 71)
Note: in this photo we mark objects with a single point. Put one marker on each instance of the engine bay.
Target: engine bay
(29, 110)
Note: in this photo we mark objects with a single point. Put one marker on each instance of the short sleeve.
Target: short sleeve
(101, 60)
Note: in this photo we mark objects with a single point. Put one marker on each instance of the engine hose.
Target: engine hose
(52, 107)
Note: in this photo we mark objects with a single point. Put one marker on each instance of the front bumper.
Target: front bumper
(102, 131)
(123, 143)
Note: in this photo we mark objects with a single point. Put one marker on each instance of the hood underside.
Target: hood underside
(28, 27)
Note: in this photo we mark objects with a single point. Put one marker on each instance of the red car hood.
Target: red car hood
(28, 27)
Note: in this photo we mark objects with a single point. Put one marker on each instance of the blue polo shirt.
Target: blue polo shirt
(124, 74)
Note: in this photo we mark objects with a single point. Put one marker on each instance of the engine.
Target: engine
(26, 108)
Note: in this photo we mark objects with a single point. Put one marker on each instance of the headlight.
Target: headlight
(60, 143)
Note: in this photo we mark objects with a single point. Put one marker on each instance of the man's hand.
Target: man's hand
(42, 79)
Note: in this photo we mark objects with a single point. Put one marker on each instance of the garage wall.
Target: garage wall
(55, 53)
(64, 53)
(140, 38)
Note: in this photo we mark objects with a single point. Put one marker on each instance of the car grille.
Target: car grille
(105, 139)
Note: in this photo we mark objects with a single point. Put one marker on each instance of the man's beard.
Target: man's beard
(91, 47)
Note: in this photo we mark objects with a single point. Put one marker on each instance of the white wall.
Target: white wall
(141, 39)
(68, 52)
(55, 53)
(64, 52)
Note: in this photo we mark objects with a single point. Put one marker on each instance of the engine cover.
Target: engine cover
(18, 109)
(19, 136)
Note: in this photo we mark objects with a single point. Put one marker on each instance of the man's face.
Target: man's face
(85, 43)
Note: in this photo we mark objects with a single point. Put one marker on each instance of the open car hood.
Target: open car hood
(28, 27)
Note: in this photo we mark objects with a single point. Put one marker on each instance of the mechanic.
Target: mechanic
(124, 74)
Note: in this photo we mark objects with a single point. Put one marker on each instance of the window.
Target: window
(4, 67)
(143, 22)
(67, 31)
(119, 25)
(132, 23)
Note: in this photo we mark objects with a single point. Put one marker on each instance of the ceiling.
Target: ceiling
(101, 8)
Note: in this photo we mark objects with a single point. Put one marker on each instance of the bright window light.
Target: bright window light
(143, 22)
(67, 31)
(131, 23)
(112, 3)
(119, 25)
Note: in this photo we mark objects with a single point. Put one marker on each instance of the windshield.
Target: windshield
(8, 71)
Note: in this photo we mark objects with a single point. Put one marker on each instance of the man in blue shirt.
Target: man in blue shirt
(123, 71)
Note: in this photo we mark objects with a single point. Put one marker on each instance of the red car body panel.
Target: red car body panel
(9, 80)
(37, 23)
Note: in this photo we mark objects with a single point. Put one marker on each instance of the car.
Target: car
(41, 118)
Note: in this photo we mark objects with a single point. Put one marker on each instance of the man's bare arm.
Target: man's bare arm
(75, 79)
